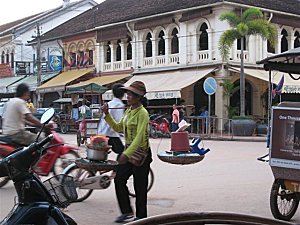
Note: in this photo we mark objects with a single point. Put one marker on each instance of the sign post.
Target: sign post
(210, 87)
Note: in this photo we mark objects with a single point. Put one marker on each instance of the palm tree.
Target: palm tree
(250, 22)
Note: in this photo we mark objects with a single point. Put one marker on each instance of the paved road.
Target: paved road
(229, 179)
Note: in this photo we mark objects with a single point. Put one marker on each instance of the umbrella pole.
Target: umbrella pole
(269, 99)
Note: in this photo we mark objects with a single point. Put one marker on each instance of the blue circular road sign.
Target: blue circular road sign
(210, 85)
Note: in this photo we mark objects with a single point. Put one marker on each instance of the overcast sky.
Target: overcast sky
(12, 10)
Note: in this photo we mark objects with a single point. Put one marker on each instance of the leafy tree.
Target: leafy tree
(229, 88)
(250, 22)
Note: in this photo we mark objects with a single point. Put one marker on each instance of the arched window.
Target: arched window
(270, 49)
(129, 49)
(174, 42)
(91, 57)
(148, 45)
(12, 59)
(7, 58)
(239, 44)
(161, 43)
(203, 39)
(284, 41)
(118, 51)
(73, 59)
(297, 40)
(2, 57)
(108, 53)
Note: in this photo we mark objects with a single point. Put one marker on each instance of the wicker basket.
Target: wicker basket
(87, 164)
(183, 159)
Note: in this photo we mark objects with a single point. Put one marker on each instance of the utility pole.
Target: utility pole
(38, 61)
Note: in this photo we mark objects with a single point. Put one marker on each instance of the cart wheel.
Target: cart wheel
(131, 187)
(64, 127)
(79, 175)
(283, 203)
(78, 138)
(64, 161)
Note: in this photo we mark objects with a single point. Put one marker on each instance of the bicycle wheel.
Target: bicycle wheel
(79, 175)
(283, 203)
(64, 127)
(3, 180)
(153, 132)
(130, 184)
(63, 161)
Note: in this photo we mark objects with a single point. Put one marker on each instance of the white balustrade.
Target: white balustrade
(107, 67)
(174, 59)
(238, 55)
(160, 60)
(117, 65)
(128, 64)
(203, 55)
(148, 61)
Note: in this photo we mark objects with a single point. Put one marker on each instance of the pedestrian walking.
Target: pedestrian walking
(136, 158)
(116, 110)
(175, 118)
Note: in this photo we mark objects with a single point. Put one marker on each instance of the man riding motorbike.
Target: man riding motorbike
(17, 115)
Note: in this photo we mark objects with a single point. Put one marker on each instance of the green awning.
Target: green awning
(90, 88)
(6, 81)
(31, 81)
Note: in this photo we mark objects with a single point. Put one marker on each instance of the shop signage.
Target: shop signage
(285, 140)
(55, 59)
(22, 68)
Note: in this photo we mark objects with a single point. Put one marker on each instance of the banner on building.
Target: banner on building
(5, 70)
(55, 59)
(23, 68)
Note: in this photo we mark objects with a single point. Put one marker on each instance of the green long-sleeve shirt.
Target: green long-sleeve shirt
(134, 124)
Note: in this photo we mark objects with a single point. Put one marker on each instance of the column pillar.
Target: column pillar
(122, 44)
(210, 43)
(183, 44)
(195, 48)
(101, 56)
(154, 51)
(278, 50)
(220, 101)
(97, 57)
(167, 39)
(134, 54)
(112, 55)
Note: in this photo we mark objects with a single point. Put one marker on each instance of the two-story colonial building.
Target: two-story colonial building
(20, 58)
(172, 46)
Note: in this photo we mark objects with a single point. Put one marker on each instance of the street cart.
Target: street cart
(64, 119)
(284, 152)
(88, 126)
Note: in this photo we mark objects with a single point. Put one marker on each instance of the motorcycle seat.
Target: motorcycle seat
(7, 140)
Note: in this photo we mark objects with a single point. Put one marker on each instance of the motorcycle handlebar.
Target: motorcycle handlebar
(45, 141)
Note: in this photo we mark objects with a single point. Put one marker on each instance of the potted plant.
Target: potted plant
(229, 88)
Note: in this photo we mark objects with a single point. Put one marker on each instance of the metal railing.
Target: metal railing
(210, 126)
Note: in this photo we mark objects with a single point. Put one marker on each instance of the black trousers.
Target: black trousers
(116, 145)
(140, 181)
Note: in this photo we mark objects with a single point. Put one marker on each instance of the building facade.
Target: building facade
(174, 47)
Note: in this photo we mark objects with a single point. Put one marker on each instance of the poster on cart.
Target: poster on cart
(285, 140)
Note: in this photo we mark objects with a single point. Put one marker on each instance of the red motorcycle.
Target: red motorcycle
(159, 127)
(55, 160)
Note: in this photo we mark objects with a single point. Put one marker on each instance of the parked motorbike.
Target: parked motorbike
(159, 127)
(55, 160)
(39, 203)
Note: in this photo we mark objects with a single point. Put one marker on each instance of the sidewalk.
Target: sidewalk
(231, 138)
